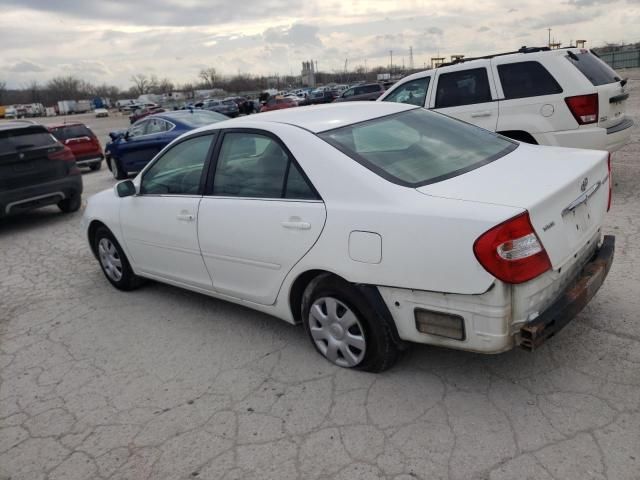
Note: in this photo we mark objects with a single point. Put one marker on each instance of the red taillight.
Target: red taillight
(66, 155)
(511, 251)
(584, 108)
(610, 183)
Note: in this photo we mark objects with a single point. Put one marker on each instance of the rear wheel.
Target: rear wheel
(70, 204)
(95, 166)
(113, 261)
(344, 328)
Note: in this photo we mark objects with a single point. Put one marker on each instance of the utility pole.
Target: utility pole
(391, 61)
(549, 43)
(411, 58)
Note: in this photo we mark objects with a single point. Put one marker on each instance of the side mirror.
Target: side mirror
(125, 188)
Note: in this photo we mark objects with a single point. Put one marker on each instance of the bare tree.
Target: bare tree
(34, 91)
(164, 86)
(63, 88)
(141, 84)
(208, 76)
(3, 88)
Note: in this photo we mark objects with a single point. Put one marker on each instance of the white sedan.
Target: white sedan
(372, 224)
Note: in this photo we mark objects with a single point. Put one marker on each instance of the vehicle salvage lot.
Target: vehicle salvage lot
(164, 383)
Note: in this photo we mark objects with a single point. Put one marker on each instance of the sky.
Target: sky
(107, 41)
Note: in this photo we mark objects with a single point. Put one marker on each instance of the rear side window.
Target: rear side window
(526, 79)
(418, 147)
(71, 131)
(370, 88)
(413, 92)
(12, 141)
(465, 87)
(598, 72)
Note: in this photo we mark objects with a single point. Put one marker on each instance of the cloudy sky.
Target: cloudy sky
(109, 40)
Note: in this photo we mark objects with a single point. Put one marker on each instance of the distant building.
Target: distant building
(308, 74)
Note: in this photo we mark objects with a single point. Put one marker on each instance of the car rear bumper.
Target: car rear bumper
(89, 159)
(491, 322)
(593, 138)
(36, 196)
(574, 298)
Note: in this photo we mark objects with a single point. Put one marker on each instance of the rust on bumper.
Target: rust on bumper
(572, 300)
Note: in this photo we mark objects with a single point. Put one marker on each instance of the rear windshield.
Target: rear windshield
(71, 131)
(199, 118)
(418, 147)
(598, 72)
(13, 141)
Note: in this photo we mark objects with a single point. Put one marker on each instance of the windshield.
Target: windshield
(418, 147)
(199, 118)
(71, 131)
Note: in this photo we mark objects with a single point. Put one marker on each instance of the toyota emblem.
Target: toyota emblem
(584, 184)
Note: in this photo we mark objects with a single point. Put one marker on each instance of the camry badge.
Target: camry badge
(584, 184)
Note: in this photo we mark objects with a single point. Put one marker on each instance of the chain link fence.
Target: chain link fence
(621, 58)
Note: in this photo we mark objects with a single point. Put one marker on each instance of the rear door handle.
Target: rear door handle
(486, 113)
(296, 225)
(186, 217)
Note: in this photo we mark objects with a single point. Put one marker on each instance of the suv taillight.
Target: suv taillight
(65, 154)
(584, 108)
(610, 183)
(511, 251)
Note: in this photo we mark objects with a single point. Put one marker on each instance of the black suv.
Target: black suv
(369, 91)
(36, 170)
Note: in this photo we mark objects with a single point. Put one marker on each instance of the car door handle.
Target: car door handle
(296, 225)
(186, 217)
(486, 113)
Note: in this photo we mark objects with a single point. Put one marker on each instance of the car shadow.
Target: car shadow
(36, 219)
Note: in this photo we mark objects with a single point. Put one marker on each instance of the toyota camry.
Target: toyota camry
(371, 224)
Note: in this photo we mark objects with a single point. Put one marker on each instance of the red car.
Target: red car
(144, 112)
(82, 142)
(278, 103)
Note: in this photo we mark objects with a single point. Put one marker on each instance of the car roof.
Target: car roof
(320, 118)
(19, 124)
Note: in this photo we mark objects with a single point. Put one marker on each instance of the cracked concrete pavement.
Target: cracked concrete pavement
(161, 383)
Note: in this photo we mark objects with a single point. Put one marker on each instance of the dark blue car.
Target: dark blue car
(130, 150)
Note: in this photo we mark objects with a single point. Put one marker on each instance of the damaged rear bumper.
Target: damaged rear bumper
(572, 300)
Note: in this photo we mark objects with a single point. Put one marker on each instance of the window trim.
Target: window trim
(507, 64)
(171, 146)
(440, 74)
(208, 187)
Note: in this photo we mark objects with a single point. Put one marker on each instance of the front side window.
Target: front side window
(465, 87)
(526, 79)
(413, 92)
(256, 166)
(179, 170)
(348, 93)
(418, 147)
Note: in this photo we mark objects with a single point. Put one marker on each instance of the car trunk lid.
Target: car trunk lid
(565, 191)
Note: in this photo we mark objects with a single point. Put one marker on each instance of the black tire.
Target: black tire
(70, 204)
(129, 280)
(381, 350)
(116, 170)
(95, 166)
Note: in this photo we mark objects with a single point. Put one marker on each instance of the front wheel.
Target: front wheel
(113, 261)
(117, 171)
(344, 328)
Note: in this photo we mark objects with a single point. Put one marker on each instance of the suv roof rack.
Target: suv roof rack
(523, 49)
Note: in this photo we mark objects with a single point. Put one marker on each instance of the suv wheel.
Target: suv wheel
(344, 328)
(113, 261)
(71, 204)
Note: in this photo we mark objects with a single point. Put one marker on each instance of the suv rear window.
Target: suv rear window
(418, 147)
(598, 72)
(71, 131)
(526, 79)
(12, 141)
